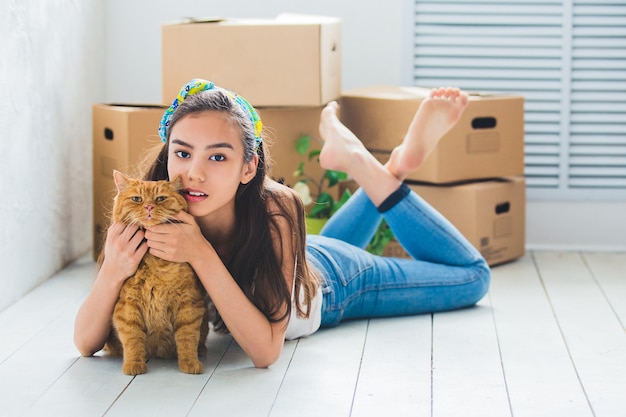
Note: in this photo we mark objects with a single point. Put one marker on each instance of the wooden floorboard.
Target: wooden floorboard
(467, 369)
(236, 388)
(540, 377)
(396, 368)
(323, 373)
(609, 270)
(548, 340)
(590, 328)
(35, 311)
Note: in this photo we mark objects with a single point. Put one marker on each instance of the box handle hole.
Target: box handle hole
(484, 122)
(503, 208)
(108, 133)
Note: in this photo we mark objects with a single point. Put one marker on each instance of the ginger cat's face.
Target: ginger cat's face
(146, 203)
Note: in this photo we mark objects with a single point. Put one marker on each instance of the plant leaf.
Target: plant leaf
(314, 153)
(334, 177)
(323, 206)
(299, 171)
(380, 240)
(302, 144)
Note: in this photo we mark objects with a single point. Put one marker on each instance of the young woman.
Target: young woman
(244, 234)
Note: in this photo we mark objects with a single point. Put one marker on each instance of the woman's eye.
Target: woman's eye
(182, 154)
(137, 199)
(217, 158)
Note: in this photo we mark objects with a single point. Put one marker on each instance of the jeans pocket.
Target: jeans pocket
(348, 262)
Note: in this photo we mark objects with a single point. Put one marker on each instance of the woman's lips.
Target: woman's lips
(194, 196)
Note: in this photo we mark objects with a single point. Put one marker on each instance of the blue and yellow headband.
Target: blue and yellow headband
(197, 85)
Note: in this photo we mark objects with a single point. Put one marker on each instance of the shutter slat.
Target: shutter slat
(472, 30)
(607, 183)
(481, 51)
(601, 140)
(484, 19)
(600, 128)
(615, 162)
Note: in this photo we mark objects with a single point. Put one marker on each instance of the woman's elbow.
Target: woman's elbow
(267, 358)
(266, 361)
(85, 349)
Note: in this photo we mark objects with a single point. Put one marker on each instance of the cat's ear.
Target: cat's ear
(121, 180)
(177, 183)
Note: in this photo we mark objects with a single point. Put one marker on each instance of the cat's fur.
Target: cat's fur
(162, 309)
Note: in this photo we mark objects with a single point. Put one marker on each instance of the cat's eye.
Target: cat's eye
(137, 199)
(160, 199)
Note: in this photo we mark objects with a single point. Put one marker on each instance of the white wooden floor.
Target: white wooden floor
(548, 340)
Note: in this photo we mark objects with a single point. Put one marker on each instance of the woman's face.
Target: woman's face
(205, 149)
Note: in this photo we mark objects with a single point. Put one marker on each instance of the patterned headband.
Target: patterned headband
(197, 85)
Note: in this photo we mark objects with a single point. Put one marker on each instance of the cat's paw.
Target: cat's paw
(134, 367)
(190, 366)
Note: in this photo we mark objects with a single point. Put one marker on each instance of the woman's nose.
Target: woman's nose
(195, 173)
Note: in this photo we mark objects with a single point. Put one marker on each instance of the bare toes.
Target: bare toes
(446, 93)
(462, 98)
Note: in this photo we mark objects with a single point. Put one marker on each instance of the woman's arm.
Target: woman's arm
(123, 252)
(261, 339)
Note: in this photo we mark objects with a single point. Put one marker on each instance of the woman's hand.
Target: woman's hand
(124, 249)
(176, 242)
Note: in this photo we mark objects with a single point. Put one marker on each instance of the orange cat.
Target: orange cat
(162, 309)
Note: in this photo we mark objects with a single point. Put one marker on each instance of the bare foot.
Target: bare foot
(436, 115)
(343, 151)
(341, 146)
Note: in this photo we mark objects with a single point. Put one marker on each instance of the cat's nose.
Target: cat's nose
(149, 207)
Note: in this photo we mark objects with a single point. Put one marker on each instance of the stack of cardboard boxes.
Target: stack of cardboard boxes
(289, 67)
(474, 176)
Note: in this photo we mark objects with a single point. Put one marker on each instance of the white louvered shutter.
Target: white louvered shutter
(567, 58)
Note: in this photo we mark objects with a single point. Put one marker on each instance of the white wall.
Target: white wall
(50, 73)
(576, 225)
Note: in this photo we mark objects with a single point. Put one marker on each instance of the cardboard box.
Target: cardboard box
(122, 136)
(490, 214)
(292, 60)
(487, 142)
(283, 127)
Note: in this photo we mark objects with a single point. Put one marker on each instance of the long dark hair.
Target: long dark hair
(253, 260)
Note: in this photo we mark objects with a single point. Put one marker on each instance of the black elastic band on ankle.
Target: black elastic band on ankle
(394, 198)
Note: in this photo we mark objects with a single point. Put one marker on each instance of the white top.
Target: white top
(298, 326)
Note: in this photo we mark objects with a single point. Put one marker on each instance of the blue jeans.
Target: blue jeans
(446, 271)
